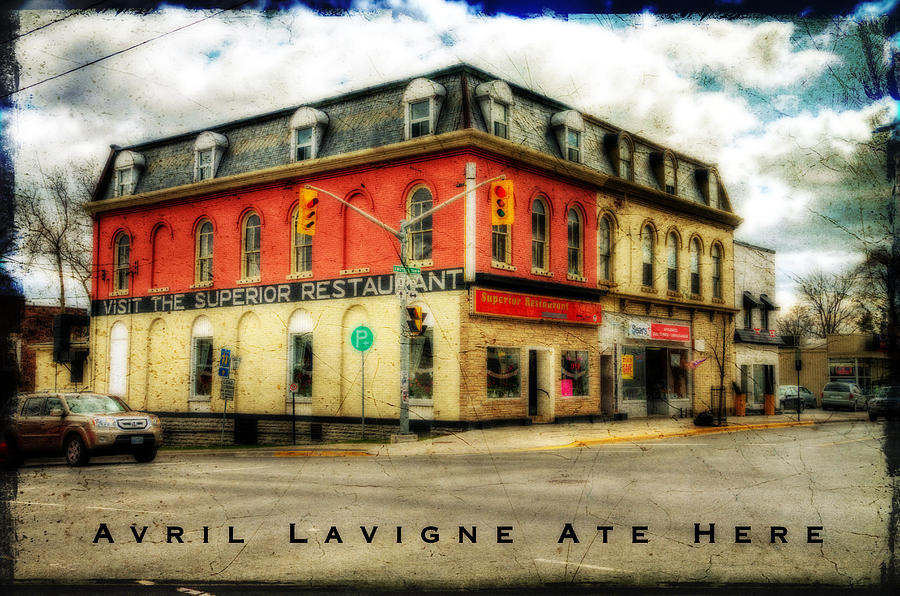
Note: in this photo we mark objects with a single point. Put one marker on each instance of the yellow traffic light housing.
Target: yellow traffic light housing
(416, 320)
(309, 208)
(502, 203)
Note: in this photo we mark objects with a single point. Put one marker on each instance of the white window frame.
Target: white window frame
(316, 121)
(421, 90)
(127, 164)
(208, 151)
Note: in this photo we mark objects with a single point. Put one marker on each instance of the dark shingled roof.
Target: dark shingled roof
(373, 117)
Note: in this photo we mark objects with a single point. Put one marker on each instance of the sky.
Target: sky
(777, 103)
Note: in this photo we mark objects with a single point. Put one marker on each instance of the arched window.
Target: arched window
(120, 266)
(671, 181)
(647, 256)
(301, 247)
(419, 234)
(626, 170)
(575, 242)
(539, 244)
(300, 330)
(695, 267)
(716, 271)
(250, 257)
(673, 261)
(201, 358)
(204, 262)
(118, 359)
(604, 248)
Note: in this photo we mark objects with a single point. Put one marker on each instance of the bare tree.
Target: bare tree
(797, 321)
(721, 345)
(54, 227)
(829, 297)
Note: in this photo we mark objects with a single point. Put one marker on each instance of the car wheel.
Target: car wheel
(76, 452)
(145, 456)
(873, 416)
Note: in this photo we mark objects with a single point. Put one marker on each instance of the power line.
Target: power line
(19, 90)
(72, 14)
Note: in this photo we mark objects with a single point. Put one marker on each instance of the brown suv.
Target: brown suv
(80, 425)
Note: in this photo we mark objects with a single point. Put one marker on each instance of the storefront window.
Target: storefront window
(421, 365)
(302, 363)
(634, 381)
(503, 372)
(575, 373)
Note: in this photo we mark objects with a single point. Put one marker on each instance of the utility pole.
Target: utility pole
(403, 295)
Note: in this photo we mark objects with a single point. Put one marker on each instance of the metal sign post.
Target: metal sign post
(294, 387)
(362, 339)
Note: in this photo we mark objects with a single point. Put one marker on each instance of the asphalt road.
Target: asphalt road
(530, 518)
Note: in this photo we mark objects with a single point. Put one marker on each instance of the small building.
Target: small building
(756, 341)
(860, 358)
(598, 299)
(41, 367)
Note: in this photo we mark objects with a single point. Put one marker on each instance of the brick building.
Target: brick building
(612, 283)
(33, 344)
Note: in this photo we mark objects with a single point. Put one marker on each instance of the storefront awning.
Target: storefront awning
(758, 336)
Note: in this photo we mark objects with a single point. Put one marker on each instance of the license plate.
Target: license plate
(137, 440)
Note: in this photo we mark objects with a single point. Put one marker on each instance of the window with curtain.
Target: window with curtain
(420, 234)
(575, 242)
(647, 256)
(503, 373)
(204, 253)
(250, 257)
(539, 235)
(673, 262)
(123, 254)
(604, 248)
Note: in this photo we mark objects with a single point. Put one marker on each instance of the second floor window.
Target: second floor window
(695, 267)
(673, 262)
(250, 261)
(647, 256)
(419, 118)
(123, 254)
(500, 252)
(716, 271)
(301, 245)
(575, 245)
(539, 235)
(204, 253)
(604, 249)
(420, 233)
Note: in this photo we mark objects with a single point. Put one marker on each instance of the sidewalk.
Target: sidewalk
(539, 437)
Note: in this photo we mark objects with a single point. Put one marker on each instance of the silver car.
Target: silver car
(844, 395)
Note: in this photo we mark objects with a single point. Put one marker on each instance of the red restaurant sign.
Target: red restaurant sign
(524, 306)
(670, 332)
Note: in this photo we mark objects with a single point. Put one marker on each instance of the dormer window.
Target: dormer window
(670, 179)
(128, 166)
(626, 158)
(419, 119)
(665, 170)
(568, 127)
(307, 131)
(422, 103)
(208, 151)
(495, 98)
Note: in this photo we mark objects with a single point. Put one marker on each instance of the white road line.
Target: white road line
(584, 565)
(87, 507)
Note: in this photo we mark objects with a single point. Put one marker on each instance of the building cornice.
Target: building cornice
(461, 140)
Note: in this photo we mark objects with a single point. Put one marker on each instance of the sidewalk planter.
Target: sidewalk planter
(769, 404)
(740, 404)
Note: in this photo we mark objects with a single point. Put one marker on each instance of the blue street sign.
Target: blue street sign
(224, 362)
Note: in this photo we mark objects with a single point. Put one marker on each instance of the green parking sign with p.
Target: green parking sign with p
(362, 338)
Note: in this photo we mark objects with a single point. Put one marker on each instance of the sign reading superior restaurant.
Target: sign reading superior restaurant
(526, 306)
(348, 287)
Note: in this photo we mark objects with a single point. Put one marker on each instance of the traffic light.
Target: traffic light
(416, 320)
(309, 208)
(502, 205)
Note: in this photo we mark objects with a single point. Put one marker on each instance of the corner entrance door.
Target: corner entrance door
(532, 382)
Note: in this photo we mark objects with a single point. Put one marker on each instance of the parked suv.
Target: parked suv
(885, 402)
(787, 394)
(79, 425)
(843, 395)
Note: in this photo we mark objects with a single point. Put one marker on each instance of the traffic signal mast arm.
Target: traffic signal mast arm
(409, 222)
